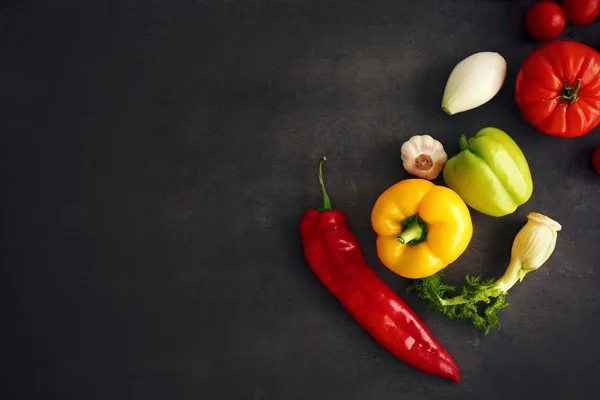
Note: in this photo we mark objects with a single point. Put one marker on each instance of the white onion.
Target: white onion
(473, 82)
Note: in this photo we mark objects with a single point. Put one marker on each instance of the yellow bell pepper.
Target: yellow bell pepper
(421, 227)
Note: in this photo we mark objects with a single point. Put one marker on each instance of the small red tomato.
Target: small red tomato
(581, 12)
(545, 20)
(596, 159)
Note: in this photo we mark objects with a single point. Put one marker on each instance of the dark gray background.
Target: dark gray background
(158, 155)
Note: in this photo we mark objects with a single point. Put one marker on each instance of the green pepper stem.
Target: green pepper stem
(464, 143)
(414, 231)
(326, 201)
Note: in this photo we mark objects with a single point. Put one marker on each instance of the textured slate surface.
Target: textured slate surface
(157, 156)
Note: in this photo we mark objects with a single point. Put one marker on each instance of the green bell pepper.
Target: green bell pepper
(490, 173)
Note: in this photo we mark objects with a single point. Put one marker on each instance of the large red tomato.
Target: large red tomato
(558, 88)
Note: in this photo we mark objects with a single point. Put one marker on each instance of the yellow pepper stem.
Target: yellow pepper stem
(413, 232)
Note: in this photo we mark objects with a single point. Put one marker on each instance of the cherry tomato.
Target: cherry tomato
(581, 12)
(596, 159)
(545, 20)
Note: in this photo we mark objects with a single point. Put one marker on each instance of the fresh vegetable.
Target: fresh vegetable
(596, 159)
(473, 82)
(421, 227)
(558, 88)
(423, 156)
(490, 173)
(580, 12)
(480, 300)
(545, 20)
(334, 256)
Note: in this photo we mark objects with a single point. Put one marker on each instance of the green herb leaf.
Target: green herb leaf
(479, 301)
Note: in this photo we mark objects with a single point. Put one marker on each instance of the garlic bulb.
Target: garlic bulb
(473, 82)
(423, 156)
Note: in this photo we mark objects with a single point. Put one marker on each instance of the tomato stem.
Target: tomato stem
(570, 93)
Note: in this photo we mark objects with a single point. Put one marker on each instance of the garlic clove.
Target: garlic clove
(408, 151)
(423, 156)
(426, 144)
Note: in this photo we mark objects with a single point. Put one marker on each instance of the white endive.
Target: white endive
(473, 82)
(531, 248)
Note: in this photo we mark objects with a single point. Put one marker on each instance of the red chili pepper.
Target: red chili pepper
(334, 256)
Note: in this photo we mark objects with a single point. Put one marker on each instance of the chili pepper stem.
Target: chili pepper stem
(414, 231)
(326, 200)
